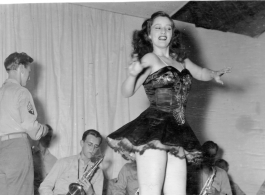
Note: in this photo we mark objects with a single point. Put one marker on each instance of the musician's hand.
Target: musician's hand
(85, 183)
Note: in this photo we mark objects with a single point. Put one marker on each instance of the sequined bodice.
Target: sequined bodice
(168, 89)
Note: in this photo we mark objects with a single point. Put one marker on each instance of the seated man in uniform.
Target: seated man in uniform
(223, 164)
(71, 169)
(208, 178)
(126, 183)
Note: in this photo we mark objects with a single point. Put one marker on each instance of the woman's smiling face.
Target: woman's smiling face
(161, 32)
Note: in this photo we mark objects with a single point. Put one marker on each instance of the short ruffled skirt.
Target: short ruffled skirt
(156, 129)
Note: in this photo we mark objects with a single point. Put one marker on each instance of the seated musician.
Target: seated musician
(71, 169)
(223, 164)
(43, 160)
(209, 179)
(126, 183)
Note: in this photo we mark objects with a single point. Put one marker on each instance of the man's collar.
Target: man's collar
(9, 80)
(80, 158)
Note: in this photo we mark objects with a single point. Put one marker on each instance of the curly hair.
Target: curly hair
(142, 44)
(15, 59)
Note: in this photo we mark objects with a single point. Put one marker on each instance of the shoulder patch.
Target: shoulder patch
(30, 108)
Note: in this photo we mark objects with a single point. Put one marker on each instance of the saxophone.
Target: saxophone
(208, 184)
(76, 188)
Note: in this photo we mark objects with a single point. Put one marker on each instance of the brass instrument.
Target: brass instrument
(76, 188)
(208, 183)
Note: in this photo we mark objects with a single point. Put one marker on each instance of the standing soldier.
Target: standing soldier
(17, 119)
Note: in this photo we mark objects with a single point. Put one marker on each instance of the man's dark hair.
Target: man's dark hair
(207, 146)
(221, 161)
(91, 132)
(15, 59)
(45, 140)
(207, 152)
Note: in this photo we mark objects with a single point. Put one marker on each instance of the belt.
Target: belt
(12, 136)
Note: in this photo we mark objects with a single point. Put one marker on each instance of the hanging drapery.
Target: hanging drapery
(80, 59)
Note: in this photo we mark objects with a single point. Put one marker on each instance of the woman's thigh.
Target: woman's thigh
(151, 168)
(176, 175)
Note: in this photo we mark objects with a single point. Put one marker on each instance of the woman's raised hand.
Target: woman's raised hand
(219, 73)
(135, 66)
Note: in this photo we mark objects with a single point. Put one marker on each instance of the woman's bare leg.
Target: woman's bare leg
(151, 167)
(176, 175)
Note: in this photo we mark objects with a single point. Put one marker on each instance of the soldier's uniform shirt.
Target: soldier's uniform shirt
(18, 112)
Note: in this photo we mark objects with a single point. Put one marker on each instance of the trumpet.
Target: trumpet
(76, 188)
(208, 184)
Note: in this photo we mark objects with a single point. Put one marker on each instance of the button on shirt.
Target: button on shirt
(64, 172)
(18, 112)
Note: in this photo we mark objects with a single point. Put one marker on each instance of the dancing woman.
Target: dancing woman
(160, 139)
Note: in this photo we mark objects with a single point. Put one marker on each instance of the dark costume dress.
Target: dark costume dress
(162, 125)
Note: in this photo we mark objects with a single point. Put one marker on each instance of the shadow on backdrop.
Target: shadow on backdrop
(201, 92)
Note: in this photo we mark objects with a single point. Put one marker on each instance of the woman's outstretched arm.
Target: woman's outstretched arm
(205, 74)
